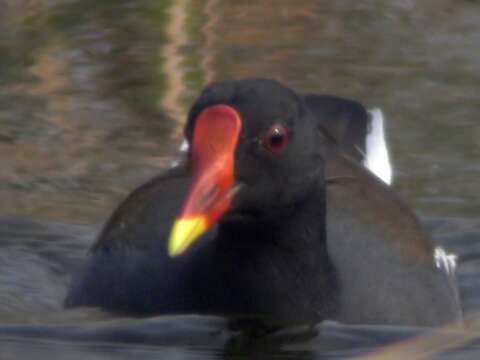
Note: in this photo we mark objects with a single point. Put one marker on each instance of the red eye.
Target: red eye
(276, 138)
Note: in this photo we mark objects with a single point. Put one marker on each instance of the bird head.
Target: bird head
(253, 151)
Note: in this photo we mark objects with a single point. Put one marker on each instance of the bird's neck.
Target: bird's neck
(299, 227)
(285, 259)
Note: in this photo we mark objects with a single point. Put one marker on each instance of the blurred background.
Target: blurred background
(93, 97)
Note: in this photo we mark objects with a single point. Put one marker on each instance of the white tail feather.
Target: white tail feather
(377, 159)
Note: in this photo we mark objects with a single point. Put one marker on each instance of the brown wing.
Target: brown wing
(354, 191)
(382, 256)
(147, 214)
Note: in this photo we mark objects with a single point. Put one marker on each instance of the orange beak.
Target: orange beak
(215, 138)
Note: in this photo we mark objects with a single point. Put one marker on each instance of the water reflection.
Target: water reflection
(93, 96)
(98, 91)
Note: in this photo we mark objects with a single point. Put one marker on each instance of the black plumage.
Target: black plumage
(311, 235)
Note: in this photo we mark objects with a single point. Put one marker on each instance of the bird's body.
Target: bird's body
(310, 235)
(233, 270)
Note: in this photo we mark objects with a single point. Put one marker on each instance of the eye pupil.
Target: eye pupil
(276, 138)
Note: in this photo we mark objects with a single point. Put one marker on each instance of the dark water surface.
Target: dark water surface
(93, 95)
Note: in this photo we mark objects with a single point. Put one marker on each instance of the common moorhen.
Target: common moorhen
(270, 217)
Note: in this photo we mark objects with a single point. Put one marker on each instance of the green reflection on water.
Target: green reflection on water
(93, 94)
(87, 80)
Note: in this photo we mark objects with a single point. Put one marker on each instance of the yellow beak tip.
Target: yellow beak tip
(173, 251)
(184, 232)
